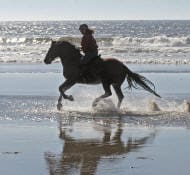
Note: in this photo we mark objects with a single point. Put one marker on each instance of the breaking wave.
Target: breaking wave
(23, 40)
(154, 50)
(157, 41)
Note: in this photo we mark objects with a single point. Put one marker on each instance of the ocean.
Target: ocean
(138, 42)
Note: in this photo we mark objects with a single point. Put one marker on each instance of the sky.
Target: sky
(21, 10)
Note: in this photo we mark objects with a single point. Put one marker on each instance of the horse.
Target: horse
(113, 73)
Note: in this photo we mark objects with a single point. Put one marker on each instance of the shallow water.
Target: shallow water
(80, 139)
(111, 147)
(106, 146)
(32, 90)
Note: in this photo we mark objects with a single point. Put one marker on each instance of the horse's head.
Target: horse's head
(52, 53)
(62, 49)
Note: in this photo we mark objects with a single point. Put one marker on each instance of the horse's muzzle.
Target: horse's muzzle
(47, 62)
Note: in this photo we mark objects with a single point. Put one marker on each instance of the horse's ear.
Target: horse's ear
(52, 42)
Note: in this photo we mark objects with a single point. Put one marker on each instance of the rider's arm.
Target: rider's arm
(85, 44)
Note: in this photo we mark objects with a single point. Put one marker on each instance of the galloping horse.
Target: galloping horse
(113, 73)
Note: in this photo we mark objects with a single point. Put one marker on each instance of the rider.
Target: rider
(88, 44)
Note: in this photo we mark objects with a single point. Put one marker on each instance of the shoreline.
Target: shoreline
(56, 67)
(42, 79)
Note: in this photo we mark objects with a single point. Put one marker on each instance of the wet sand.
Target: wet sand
(92, 147)
(37, 139)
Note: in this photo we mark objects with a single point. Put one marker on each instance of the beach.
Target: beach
(37, 148)
(147, 136)
(38, 139)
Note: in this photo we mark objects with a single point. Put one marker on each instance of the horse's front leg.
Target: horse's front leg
(64, 87)
(59, 105)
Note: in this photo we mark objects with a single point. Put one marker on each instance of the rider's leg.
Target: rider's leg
(88, 57)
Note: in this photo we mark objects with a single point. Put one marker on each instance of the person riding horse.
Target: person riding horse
(112, 73)
(90, 66)
(88, 44)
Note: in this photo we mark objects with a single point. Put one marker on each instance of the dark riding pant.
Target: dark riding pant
(88, 57)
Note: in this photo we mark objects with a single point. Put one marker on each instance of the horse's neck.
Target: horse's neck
(73, 61)
(70, 58)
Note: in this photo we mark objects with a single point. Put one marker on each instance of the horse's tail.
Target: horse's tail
(135, 80)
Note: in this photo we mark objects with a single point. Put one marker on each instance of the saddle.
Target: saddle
(91, 70)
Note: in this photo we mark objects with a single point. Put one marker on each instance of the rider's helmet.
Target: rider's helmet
(83, 26)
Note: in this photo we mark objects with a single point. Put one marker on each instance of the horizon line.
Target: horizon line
(41, 20)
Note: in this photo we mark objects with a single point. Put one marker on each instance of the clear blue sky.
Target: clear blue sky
(94, 9)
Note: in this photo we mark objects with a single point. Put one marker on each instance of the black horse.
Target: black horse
(112, 72)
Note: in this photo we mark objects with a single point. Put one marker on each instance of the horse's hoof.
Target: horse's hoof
(70, 97)
(59, 106)
(94, 104)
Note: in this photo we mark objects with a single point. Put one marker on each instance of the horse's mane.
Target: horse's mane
(70, 45)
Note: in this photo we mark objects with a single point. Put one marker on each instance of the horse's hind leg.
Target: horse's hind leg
(117, 88)
(107, 93)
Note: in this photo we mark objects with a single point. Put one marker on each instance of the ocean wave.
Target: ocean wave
(38, 40)
(23, 40)
(128, 60)
(153, 50)
(157, 41)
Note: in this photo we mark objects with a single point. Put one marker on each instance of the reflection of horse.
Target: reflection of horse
(112, 72)
(82, 155)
